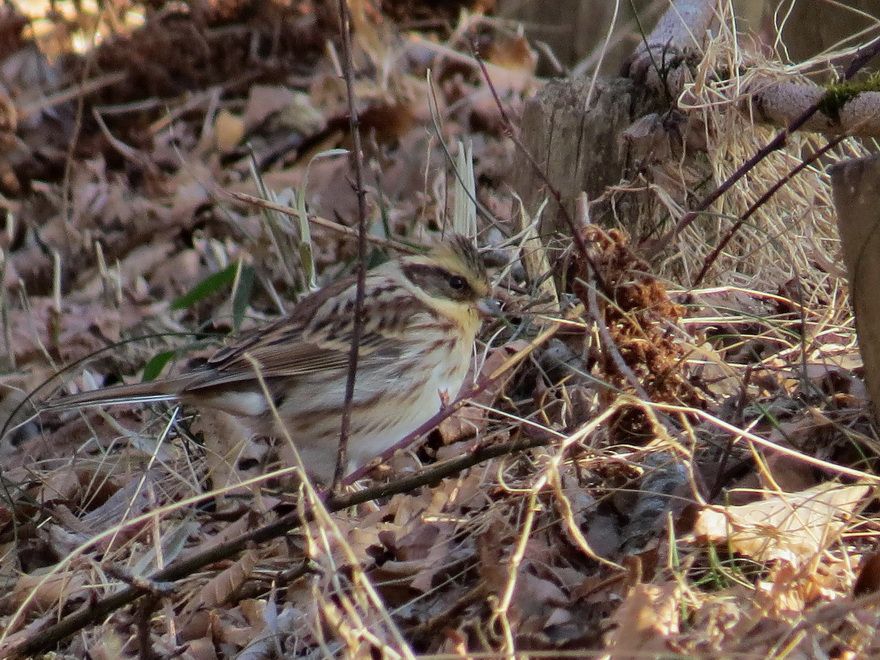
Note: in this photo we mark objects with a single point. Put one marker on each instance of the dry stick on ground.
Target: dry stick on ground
(100, 609)
(321, 222)
(354, 125)
(85, 88)
(864, 55)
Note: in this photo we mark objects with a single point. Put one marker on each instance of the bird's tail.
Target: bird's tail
(168, 389)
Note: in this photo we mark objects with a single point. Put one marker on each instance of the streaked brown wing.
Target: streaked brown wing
(285, 349)
(287, 329)
(291, 360)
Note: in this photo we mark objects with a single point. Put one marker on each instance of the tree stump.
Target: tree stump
(578, 147)
(588, 134)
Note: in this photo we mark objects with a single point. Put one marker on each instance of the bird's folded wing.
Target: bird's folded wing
(277, 357)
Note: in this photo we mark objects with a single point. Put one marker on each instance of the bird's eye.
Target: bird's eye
(456, 282)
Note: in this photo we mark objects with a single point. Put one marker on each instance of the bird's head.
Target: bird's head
(452, 279)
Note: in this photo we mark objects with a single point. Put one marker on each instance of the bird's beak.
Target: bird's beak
(489, 307)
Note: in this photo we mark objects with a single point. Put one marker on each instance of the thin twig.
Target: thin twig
(142, 620)
(354, 125)
(609, 346)
(84, 88)
(322, 222)
(513, 134)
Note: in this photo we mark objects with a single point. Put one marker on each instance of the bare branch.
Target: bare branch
(345, 426)
(780, 103)
(865, 54)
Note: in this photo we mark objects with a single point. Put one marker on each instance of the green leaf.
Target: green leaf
(241, 297)
(211, 284)
(156, 364)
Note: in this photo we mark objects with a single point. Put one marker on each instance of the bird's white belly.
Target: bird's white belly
(407, 401)
(427, 401)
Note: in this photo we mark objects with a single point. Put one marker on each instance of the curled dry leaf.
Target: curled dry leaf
(868, 581)
(45, 592)
(788, 526)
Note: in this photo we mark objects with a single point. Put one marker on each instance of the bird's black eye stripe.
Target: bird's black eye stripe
(438, 281)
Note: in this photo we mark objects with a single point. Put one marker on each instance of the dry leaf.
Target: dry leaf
(266, 100)
(645, 621)
(228, 131)
(46, 592)
(223, 585)
(789, 526)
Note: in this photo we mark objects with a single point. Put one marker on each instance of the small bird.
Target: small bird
(421, 315)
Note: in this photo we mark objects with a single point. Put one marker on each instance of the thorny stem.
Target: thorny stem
(354, 124)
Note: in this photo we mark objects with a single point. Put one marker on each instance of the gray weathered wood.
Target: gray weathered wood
(579, 150)
(855, 185)
(575, 129)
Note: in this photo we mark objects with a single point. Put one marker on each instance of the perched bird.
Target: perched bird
(421, 315)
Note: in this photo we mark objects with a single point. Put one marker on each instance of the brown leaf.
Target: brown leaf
(789, 526)
(222, 586)
(48, 591)
(645, 621)
(266, 100)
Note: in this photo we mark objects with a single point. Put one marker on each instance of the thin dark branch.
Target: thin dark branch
(707, 264)
(142, 620)
(354, 124)
(183, 568)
